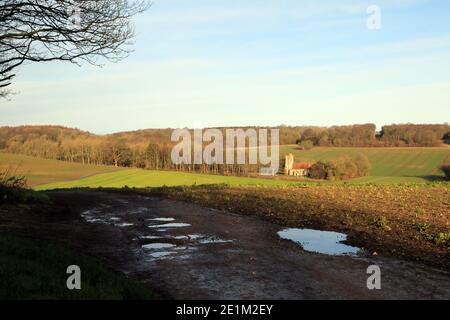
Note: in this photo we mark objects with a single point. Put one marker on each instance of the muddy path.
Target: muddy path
(190, 252)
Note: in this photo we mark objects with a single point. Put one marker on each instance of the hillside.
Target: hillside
(41, 171)
(390, 165)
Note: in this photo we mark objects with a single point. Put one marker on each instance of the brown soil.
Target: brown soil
(412, 222)
(256, 264)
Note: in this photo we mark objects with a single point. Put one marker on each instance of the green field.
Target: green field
(44, 174)
(388, 165)
(140, 178)
(41, 171)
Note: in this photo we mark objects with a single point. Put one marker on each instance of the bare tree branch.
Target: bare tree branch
(66, 30)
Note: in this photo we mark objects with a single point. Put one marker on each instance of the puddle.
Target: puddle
(171, 225)
(148, 237)
(181, 238)
(325, 242)
(198, 238)
(89, 212)
(157, 246)
(203, 239)
(195, 236)
(89, 216)
(182, 248)
(214, 241)
(179, 246)
(161, 254)
(151, 198)
(162, 219)
(159, 249)
(124, 224)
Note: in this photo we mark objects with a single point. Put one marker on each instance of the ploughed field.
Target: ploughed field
(187, 251)
(412, 221)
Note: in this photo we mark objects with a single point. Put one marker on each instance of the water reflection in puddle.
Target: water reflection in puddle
(151, 198)
(167, 250)
(181, 238)
(124, 224)
(160, 254)
(139, 210)
(206, 239)
(149, 237)
(325, 242)
(170, 225)
(166, 240)
(214, 241)
(91, 216)
(162, 219)
(156, 246)
(164, 247)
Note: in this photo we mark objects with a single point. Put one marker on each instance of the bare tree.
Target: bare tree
(64, 30)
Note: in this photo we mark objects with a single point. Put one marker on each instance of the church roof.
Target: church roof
(301, 165)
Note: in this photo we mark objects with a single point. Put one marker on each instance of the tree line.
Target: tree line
(151, 148)
(365, 135)
(147, 149)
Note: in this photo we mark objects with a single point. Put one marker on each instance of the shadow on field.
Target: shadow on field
(433, 178)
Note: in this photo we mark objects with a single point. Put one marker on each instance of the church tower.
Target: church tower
(289, 162)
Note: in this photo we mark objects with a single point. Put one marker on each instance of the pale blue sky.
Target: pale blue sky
(201, 63)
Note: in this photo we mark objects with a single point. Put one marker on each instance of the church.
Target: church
(297, 169)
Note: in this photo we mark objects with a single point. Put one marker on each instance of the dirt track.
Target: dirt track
(224, 255)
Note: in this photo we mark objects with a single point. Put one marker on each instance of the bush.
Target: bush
(306, 144)
(345, 168)
(13, 189)
(363, 164)
(342, 168)
(7, 179)
(319, 170)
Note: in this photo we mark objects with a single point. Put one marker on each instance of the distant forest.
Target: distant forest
(151, 148)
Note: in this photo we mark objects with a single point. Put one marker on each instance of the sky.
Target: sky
(206, 63)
